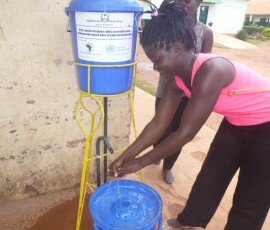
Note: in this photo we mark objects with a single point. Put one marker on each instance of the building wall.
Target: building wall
(257, 19)
(227, 17)
(41, 148)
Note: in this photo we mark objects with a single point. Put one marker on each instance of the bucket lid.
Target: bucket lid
(104, 6)
(125, 204)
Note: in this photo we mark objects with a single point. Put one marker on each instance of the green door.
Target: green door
(203, 14)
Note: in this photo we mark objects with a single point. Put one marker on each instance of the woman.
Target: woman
(212, 83)
(204, 43)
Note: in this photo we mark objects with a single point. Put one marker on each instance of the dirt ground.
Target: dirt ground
(63, 216)
(55, 211)
(60, 209)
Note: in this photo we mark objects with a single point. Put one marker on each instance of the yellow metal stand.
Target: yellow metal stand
(89, 133)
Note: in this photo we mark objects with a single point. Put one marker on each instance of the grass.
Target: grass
(146, 87)
(217, 45)
(255, 42)
(258, 42)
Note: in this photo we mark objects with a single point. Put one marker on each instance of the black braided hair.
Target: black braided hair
(171, 25)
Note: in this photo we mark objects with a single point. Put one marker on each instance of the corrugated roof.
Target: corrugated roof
(258, 7)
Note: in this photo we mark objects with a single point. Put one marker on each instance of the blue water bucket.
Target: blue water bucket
(126, 204)
(104, 35)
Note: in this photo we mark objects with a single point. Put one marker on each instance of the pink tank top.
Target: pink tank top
(246, 101)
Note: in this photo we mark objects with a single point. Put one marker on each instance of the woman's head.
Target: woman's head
(168, 36)
(172, 24)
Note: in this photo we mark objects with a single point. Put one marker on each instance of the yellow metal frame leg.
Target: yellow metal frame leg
(86, 169)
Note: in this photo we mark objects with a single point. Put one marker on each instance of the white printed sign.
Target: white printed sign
(104, 37)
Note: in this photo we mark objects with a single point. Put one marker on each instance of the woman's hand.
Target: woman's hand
(130, 166)
(113, 169)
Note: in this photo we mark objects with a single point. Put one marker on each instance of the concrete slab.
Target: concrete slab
(185, 170)
(231, 42)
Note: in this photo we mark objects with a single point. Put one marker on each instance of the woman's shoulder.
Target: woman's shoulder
(210, 60)
(213, 68)
(201, 25)
(212, 63)
(203, 28)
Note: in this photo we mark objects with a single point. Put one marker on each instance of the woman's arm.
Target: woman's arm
(211, 78)
(157, 126)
